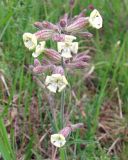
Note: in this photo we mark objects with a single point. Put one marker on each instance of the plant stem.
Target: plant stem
(54, 155)
(62, 99)
(62, 107)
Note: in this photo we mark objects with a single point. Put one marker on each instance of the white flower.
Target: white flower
(39, 49)
(69, 38)
(95, 19)
(58, 140)
(68, 47)
(56, 82)
(30, 40)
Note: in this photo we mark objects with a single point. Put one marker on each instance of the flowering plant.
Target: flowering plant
(67, 57)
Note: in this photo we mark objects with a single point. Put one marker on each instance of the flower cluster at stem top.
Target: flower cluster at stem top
(66, 56)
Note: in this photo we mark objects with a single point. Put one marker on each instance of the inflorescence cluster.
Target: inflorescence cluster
(66, 56)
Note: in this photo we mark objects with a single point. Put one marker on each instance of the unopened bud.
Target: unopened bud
(63, 21)
(85, 34)
(58, 70)
(38, 25)
(91, 7)
(76, 126)
(66, 131)
(36, 62)
(82, 14)
(81, 57)
(77, 25)
(45, 61)
(77, 65)
(52, 55)
(70, 128)
(44, 34)
(58, 37)
(49, 25)
(38, 70)
(72, 3)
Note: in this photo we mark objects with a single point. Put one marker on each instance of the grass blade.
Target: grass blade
(5, 147)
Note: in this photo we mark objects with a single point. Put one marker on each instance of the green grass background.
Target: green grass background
(17, 17)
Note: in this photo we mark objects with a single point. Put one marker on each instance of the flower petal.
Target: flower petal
(66, 53)
(58, 140)
(60, 46)
(74, 47)
(95, 19)
(52, 87)
(35, 54)
(65, 80)
(56, 81)
(40, 46)
(39, 49)
(69, 38)
(61, 87)
(30, 40)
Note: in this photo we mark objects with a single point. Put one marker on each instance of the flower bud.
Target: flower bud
(41, 68)
(85, 34)
(63, 21)
(72, 3)
(36, 62)
(59, 139)
(77, 65)
(38, 25)
(76, 126)
(70, 128)
(53, 55)
(45, 62)
(44, 34)
(58, 37)
(82, 57)
(77, 25)
(66, 131)
(38, 69)
(82, 13)
(58, 70)
(91, 7)
(50, 26)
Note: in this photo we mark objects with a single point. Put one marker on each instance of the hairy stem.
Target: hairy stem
(62, 99)
(62, 107)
